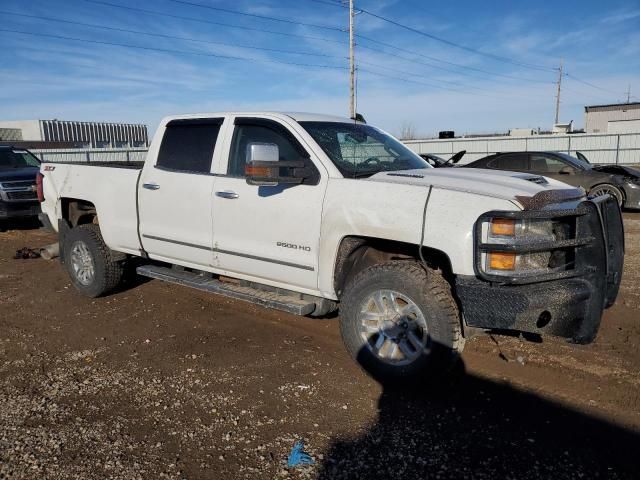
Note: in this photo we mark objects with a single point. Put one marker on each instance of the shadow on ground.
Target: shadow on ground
(20, 224)
(481, 429)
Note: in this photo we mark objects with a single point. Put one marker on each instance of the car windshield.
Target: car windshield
(360, 150)
(576, 162)
(10, 159)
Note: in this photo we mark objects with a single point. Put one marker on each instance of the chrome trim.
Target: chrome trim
(229, 252)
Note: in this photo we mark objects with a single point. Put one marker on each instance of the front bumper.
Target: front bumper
(568, 306)
(632, 195)
(19, 209)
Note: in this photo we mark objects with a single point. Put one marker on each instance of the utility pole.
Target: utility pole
(352, 66)
(558, 93)
(629, 94)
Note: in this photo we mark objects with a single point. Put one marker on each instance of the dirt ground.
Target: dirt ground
(160, 381)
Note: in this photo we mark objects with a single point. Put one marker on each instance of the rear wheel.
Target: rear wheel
(607, 189)
(400, 322)
(89, 261)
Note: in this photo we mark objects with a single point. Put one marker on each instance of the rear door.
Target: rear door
(268, 233)
(175, 194)
(515, 162)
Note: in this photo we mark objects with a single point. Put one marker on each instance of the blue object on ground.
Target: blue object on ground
(298, 456)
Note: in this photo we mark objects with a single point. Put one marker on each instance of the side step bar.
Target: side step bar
(287, 302)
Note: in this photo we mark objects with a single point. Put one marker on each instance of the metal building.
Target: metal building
(613, 118)
(81, 134)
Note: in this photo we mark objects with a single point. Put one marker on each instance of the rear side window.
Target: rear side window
(188, 145)
(510, 161)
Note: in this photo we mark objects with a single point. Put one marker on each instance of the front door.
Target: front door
(554, 167)
(269, 233)
(175, 194)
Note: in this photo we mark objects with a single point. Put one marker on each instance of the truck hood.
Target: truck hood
(492, 183)
(13, 174)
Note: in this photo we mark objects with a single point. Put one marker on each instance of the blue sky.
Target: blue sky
(428, 84)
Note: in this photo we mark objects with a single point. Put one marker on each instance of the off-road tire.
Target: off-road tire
(431, 293)
(107, 270)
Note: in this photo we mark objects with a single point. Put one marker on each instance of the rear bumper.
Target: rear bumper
(569, 307)
(19, 209)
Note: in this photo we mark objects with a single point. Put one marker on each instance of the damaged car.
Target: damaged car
(439, 162)
(618, 181)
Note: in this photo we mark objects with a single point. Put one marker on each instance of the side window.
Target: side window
(188, 145)
(509, 161)
(512, 161)
(264, 132)
(544, 163)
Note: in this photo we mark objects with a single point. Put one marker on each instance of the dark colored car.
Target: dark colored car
(438, 162)
(596, 180)
(18, 170)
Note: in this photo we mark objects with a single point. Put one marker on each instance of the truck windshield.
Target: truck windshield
(360, 150)
(17, 159)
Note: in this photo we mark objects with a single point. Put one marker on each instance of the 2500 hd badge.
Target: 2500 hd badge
(293, 246)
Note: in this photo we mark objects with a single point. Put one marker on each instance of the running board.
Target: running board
(287, 302)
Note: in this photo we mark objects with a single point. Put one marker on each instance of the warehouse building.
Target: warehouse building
(613, 118)
(79, 134)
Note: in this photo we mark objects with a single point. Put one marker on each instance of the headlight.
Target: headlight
(524, 247)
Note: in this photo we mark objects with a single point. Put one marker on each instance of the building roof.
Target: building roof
(613, 106)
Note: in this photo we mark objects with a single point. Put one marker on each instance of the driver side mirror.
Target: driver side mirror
(264, 167)
(566, 170)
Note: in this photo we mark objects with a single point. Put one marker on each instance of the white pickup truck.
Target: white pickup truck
(310, 213)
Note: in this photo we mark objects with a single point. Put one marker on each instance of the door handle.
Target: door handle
(227, 194)
(151, 186)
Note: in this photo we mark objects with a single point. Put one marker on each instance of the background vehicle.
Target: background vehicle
(595, 180)
(18, 170)
(306, 212)
(438, 162)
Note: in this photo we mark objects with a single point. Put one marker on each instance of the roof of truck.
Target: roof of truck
(297, 116)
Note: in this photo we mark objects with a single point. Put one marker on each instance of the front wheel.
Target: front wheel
(89, 261)
(400, 322)
(607, 189)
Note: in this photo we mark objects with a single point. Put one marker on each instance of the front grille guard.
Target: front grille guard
(598, 244)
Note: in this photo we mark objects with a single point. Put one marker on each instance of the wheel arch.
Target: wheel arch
(620, 188)
(78, 211)
(355, 253)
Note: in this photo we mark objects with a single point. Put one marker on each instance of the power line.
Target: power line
(458, 65)
(323, 39)
(418, 82)
(590, 84)
(173, 51)
(211, 22)
(161, 35)
(445, 41)
(414, 74)
(329, 2)
(457, 45)
(255, 15)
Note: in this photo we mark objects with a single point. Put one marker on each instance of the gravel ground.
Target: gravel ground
(159, 381)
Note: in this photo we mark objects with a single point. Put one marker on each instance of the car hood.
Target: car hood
(618, 170)
(13, 174)
(492, 183)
